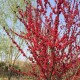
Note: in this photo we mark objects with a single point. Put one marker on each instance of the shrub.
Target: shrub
(52, 42)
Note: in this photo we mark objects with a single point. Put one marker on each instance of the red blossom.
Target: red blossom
(54, 50)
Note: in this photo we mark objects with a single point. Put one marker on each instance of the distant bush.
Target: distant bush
(2, 64)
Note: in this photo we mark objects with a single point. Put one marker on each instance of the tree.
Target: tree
(4, 48)
(8, 55)
(53, 41)
(8, 9)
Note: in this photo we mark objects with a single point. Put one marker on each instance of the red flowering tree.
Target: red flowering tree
(52, 40)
